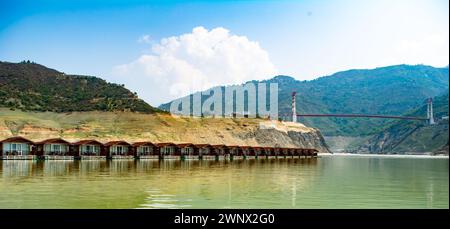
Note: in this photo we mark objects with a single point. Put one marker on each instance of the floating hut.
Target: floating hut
(205, 151)
(220, 151)
(118, 150)
(54, 149)
(88, 150)
(17, 148)
(60, 149)
(145, 150)
(188, 151)
(168, 150)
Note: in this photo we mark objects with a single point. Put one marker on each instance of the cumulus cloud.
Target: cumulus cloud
(180, 65)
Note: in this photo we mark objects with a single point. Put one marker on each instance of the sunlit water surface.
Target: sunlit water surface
(326, 182)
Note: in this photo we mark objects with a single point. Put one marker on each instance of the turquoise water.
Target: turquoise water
(326, 182)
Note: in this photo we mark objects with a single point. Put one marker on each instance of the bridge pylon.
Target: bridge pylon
(294, 109)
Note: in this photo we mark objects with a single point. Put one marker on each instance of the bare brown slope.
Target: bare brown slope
(106, 126)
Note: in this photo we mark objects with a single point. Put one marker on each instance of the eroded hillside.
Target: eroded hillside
(129, 126)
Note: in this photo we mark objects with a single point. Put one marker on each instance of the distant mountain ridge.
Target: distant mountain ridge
(32, 87)
(392, 90)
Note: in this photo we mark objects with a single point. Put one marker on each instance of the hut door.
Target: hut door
(17, 147)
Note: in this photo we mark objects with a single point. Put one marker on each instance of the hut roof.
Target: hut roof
(182, 145)
(202, 145)
(16, 139)
(165, 144)
(219, 146)
(53, 140)
(111, 143)
(88, 142)
(137, 144)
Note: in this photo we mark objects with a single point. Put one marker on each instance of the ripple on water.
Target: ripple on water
(328, 182)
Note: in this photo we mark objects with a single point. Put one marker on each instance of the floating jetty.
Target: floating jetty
(19, 148)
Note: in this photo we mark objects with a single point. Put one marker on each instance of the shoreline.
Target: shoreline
(383, 155)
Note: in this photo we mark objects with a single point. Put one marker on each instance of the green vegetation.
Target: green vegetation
(413, 136)
(32, 87)
(392, 90)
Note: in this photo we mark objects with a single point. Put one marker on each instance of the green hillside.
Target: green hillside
(392, 90)
(413, 136)
(32, 87)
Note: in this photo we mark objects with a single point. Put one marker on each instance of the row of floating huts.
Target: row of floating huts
(19, 148)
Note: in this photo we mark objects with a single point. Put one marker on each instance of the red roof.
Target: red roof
(94, 142)
(182, 145)
(111, 143)
(53, 140)
(219, 146)
(165, 144)
(16, 139)
(88, 142)
(202, 145)
(143, 144)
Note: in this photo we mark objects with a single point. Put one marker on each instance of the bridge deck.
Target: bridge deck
(361, 116)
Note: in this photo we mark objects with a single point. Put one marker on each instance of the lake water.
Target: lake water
(325, 182)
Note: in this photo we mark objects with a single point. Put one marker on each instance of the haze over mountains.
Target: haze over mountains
(392, 90)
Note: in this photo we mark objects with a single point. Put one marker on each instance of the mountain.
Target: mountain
(406, 136)
(85, 107)
(392, 90)
(32, 87)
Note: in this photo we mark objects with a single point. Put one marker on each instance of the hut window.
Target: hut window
(90, 149)
(119, 149)
(58, 148)
(16, 147)
(167, 150)
(187, 150)
(204, 150)
(145, 149)
(20, 148)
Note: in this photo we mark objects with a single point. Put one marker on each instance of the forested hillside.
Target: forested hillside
(392, 90)
(413, 136)
(32, 87)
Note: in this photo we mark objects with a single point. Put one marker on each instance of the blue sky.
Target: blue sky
(304, 39)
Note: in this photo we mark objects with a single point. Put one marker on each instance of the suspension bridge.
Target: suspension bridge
(429, 118)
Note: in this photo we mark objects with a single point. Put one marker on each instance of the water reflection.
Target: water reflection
(263, 183)
(17, 168)
(28, 168)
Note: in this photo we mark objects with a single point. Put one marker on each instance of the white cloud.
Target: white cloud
(145, 39)
(195, 61)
